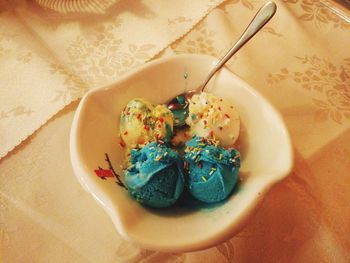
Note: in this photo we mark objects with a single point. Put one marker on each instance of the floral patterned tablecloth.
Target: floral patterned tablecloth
(300, 62)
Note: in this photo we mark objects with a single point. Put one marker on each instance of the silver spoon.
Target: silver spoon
(179, 105)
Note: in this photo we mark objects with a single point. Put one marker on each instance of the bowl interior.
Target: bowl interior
(264, 145)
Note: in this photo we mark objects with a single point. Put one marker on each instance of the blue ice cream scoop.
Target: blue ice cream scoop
(212, 170)
(155, 177)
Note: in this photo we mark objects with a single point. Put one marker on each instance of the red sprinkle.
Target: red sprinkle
(174, 106)
(227, 116)
(146, 127)
(122, 144)
(219, 108)
(200, 165)
(161, 120)
(138, 116)
(185, 165)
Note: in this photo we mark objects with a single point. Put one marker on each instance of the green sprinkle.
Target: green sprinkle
(203, 178)
(212, 171)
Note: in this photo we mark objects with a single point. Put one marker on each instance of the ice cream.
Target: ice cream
(212, 170)
(155, 173)
(179, 108)
(155, 177)
(212, 117)
(181, 136)
(142, 122)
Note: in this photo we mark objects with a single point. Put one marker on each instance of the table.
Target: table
(300, 62)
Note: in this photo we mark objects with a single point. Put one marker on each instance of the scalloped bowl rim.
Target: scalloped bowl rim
(81, 171)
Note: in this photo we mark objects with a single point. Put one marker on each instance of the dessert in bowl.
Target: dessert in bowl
(96, 148)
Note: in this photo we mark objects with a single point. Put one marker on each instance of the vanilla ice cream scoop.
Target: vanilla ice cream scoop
(213, 117)
(142, 122)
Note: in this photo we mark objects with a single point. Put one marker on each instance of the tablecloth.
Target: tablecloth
(300, 62)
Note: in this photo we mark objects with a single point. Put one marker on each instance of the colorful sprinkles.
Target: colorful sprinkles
(205, 153)
(205, 145)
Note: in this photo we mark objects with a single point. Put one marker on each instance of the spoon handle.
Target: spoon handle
(263, 16)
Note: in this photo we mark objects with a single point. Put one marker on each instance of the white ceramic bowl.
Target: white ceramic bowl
(264, 144)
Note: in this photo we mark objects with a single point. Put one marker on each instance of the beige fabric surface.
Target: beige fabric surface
(300, 62)
(61, 57)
